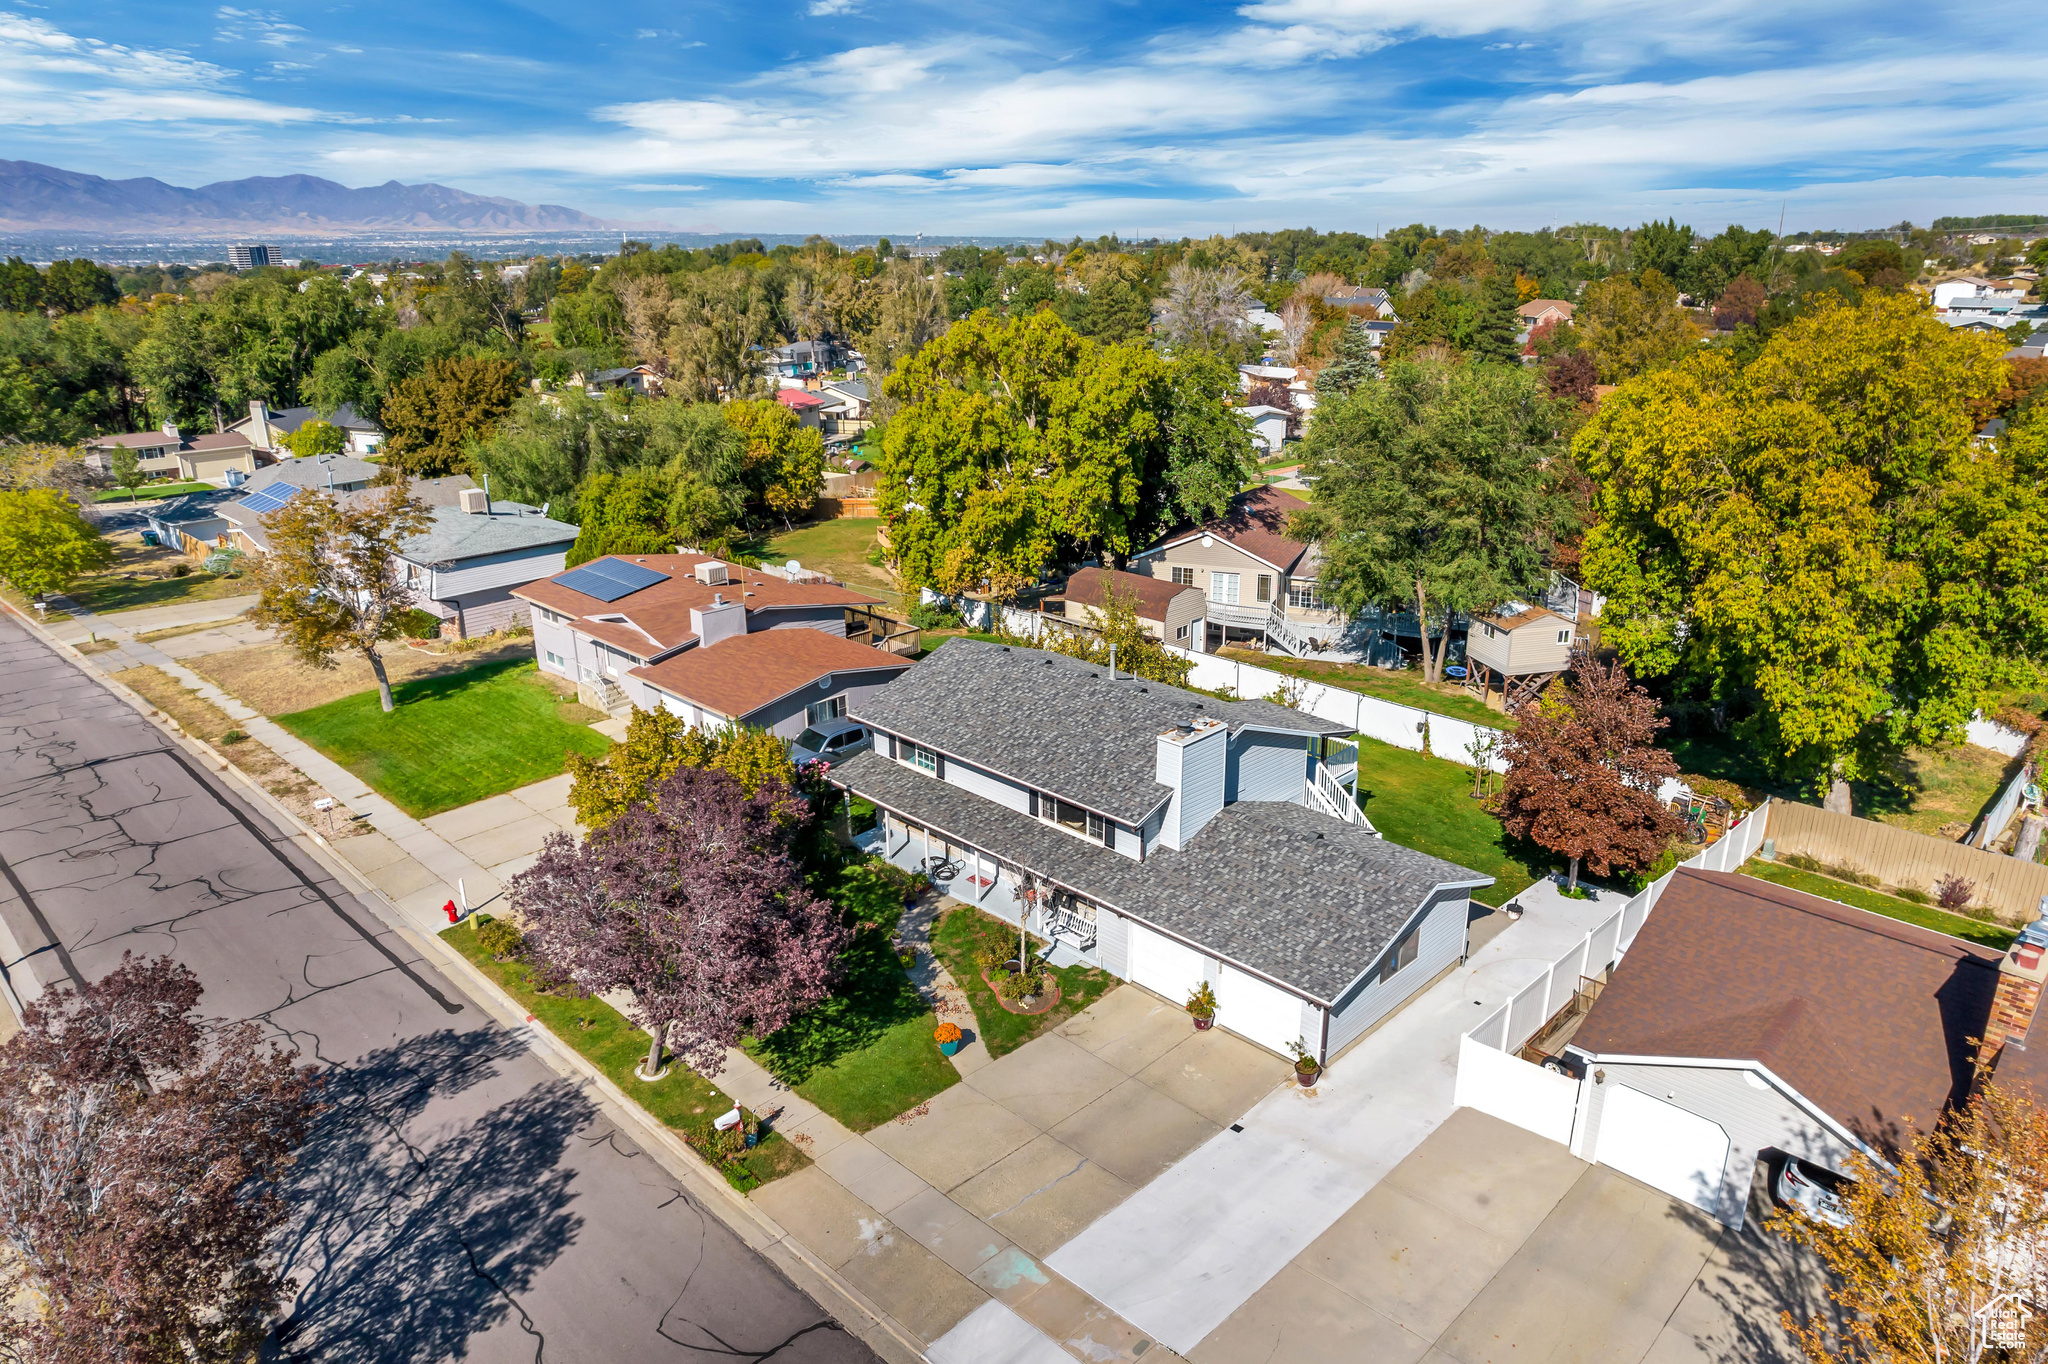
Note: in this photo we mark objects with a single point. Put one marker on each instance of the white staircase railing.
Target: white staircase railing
(1280, 632)
(1324, 792)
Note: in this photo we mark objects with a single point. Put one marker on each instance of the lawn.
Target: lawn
(150, 491)
(1862, 897)
(682, 1100)
(867, 1053)
(274, 680)
(1426, 804)
(962, 935)
(839, 548)
(143, 575)
(1403, 688)
(453, 739)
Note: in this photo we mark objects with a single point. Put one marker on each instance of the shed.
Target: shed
(1522, 647)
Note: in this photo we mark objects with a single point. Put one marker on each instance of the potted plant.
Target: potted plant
(948, 1035)
(1202, 1006)
(1306, 1068)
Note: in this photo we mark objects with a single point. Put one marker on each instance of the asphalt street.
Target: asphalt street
(462, 1200)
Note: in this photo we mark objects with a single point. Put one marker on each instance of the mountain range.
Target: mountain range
(38, 197)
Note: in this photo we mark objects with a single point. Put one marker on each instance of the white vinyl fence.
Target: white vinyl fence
(1493, 1079)
(2000, 815)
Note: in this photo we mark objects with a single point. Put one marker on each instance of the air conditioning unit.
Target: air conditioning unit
(712, 572)
(476, 501)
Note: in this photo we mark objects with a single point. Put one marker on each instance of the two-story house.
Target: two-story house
(267, 429)
(1260, 581)
(614, 625)
(221, 459)
(1166, 836)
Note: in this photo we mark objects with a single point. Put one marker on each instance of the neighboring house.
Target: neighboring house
(808, 406)
(782, 681)
(602, 622)
(641, 379)
(1264, 320)
(1258, 579)
(1538, 311)
(462, 569)
(190, 524)
(806, 359)
(2033, 348)
(1520, 647)
(1374, 301)
(1270, 425)
(1988, 314)
(1748, 1021)
(1168, 837)
(1247, 375)
(1378, 332)
(266, 429)
(220, 459)
(846, 410)
(1949, 292)
(1169, 612)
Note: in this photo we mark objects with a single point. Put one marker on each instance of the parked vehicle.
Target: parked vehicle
(1811, 1190)
(834, 740)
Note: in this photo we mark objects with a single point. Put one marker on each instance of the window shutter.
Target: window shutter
(1034, 805)
(939, 765)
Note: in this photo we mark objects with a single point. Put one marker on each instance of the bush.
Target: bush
(226, 562)
(1802, 862)
(1954, 892)
(181, 570)
(1014, 987)
(877, 556)
(418, 624)
(932, 616)
(233, 736)
(1202, 1001)
(1913, 895)
(499, 938)
(1640, 881)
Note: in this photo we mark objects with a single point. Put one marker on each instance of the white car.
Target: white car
(1811, 1190)
(834, 741)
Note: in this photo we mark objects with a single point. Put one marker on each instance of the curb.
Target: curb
(759, 1232)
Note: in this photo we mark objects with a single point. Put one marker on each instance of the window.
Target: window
(1489, 631)
(555, 660)
(1223, 588)
(921, 758)
(1564, 636)
(1265, 587)
(1401, 955)
(1098, 827)
(1181, 633)
(1306, 596)
(1183, 577)
(820, 712)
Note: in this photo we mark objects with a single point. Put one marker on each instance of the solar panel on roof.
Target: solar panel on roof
(632, 576)
(269, 499)
(592, 584)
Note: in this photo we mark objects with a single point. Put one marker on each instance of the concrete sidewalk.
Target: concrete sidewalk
(1239, 1209)
(142, 619)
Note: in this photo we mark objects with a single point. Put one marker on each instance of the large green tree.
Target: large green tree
(1630, 327)
(1436, 491)
(433, 416)
(1815, 538)
(44, 543)
(1013, 439)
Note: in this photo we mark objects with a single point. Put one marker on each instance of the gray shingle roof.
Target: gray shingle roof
(311, 472)
(1057, 723)
(345, 417)
(1280, 889)
(457, 534)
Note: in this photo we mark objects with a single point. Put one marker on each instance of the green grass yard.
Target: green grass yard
(453, 739)
(1426, 804)
(1403, 688)
(962, 935)
(683, 1100)
(838, 548)
(867, 1053)
(1877, 902)
(149, 491)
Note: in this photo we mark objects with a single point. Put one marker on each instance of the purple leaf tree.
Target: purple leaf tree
(695, 905)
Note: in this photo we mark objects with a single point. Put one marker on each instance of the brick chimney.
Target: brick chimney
(2020, 977)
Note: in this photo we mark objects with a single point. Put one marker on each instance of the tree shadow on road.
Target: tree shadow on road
(1752, 1278)
(415, 1236)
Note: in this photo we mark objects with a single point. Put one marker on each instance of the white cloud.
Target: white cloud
(824, 9)
(255, 26)
(50, 78)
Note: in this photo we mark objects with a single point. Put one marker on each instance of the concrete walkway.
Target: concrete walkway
(1185, 1252)
(142, 619)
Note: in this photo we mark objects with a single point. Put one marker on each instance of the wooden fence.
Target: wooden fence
(1900, 857)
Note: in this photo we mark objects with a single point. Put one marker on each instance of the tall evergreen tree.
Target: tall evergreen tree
(1356, 363)
(1493, 334)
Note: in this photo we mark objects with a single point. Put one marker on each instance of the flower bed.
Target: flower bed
(1048, 1000)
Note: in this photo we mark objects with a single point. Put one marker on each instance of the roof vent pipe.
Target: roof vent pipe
(1112, 662)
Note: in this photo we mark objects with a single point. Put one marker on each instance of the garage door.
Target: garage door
(1664, 1146)
(1251, 1008)
(1164, 966)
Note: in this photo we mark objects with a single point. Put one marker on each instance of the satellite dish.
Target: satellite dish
(793, 567)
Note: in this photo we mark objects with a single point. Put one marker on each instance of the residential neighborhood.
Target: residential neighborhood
(1284, 795)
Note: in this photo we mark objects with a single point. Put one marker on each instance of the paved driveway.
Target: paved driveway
(1489, 1244)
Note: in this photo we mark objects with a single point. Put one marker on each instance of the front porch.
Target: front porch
(974, 876)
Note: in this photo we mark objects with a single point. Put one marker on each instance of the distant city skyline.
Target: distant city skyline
(838, 116)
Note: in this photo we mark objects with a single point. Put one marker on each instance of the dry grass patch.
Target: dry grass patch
(212, 726)
(271, 678)
(173, 631)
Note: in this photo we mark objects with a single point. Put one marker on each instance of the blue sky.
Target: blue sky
(1058, 117)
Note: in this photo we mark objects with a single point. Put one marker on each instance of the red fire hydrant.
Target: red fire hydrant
(453, 917)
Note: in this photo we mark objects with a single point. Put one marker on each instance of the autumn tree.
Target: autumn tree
(141, 1149)
(1940, 1259)
(45, 542)
(1435, 491)
(333, 581)
(1583, 773)
(434, 414)
(1815, 539)
(782, 460)
(317, 438)
(1631, 327)
(657, 744)
(695, 903)
(1739, 303)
